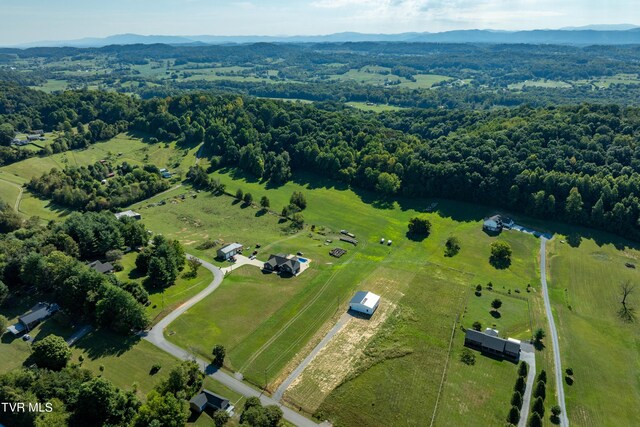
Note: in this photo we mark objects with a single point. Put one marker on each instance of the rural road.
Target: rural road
(528, 356)
(156, 337)
(564, 420)
(298, 370)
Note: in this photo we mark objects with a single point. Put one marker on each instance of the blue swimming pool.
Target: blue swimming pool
(302, 259)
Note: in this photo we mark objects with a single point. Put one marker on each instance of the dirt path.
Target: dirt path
(16, 205)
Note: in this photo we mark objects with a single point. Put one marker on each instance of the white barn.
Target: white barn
(364, 302)
(229, 250)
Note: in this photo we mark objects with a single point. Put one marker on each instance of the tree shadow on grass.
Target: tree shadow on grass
(500, 263)
(414, 237)
(103, 343)
(495, 314)
(538, 345)
(568, 380)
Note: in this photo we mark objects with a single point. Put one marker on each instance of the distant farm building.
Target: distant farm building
(229, 251)
(101, 267)
(37, 132)
(128, 214)
(37, 314)
(165, 173)
(208, 400)
(34, 138)
(346, 233)
(19, 142)
(283, 263)
(489, 342)
(364, 302)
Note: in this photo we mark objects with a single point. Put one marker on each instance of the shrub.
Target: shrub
(555, 414)
(155, 368)
(467, 357)
(516, 399)
(419, 226)
(514, 415)
(452, 246)
(569, 371)
(523, 369)
(520, 385)
(534, 420)
(219, 354)
(538, 406)
(477, 326)
(540, 390)
(239, 194)
(542, 376)
(539, 335)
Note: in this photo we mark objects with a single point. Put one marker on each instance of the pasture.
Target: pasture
(584, 288)
(377, 108)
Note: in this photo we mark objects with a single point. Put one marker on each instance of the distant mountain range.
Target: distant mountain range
(588, 35)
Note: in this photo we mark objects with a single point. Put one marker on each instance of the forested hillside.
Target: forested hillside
(580, 163)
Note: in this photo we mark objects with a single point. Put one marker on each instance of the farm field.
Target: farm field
(584, 289)
(374, 107)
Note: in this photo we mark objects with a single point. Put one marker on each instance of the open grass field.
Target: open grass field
(425, 81)
(512, 319)
(378, 108)
(603, 351)
(52, 85)
(405, 365)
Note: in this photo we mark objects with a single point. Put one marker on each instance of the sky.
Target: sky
(35, 20)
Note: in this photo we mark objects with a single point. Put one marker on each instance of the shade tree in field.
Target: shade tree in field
(451, 246)
(500, 254)
(419, 226)
(219, 354)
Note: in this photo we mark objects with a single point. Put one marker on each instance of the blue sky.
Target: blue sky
(33, 20)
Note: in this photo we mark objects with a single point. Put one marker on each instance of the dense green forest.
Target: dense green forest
(580, 163)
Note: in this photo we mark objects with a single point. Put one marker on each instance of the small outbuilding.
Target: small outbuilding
(229, 251)
(208, 400)
(128, 214)
(364, 302)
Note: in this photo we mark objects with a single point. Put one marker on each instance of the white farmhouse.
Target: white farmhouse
(364, 302)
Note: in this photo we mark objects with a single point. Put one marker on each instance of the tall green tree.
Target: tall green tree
(51, 352)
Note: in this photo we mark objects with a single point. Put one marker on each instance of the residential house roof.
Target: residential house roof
(209, 399)
(38, 312)
(129, 213)
(101, 267)
(282, 261)
(492, 342)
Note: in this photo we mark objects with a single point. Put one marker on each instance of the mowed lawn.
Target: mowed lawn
(511, 320)
(603, 350)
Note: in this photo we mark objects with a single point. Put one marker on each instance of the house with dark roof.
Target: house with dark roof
(490, 343)
(208, 400)
(29, 320)
(282, 263)
(101, 267)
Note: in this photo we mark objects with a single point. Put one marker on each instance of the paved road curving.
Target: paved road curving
(564, 421)
(156, 337)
